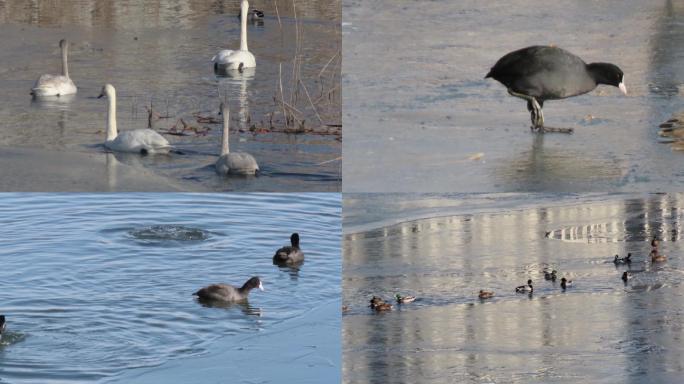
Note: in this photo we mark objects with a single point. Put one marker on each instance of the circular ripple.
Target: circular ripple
(169, 232)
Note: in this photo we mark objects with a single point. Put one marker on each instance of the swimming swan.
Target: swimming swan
(232, 60)
(141, 141)
(56, 85)
(234, 163)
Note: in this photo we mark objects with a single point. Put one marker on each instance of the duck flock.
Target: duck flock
(378, 304)
(222, 294)
(147, 141)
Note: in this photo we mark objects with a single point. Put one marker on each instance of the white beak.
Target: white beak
(622, 87)
(261, 286)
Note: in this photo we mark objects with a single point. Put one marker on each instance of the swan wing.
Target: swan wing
(53, 85)
(222, 56)
(237, 163)
(138, 140)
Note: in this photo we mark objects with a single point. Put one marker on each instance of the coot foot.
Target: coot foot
(546, 129)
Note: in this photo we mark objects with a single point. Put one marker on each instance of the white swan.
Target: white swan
(234, 163)
(56, 85)
(141, 141)
(243, 58)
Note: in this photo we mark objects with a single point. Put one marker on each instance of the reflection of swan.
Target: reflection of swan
(231, 60)
(56, 85)
(238, 163)
(229, 86)
(142, 141)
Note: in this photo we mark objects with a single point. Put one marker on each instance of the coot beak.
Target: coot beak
(622, 87)
(261, 286)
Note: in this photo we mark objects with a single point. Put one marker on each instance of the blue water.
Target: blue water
(95, 284)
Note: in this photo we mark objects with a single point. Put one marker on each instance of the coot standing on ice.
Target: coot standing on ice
(541, 73)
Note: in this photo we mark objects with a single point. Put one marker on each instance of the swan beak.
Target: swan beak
(261, 286)
(101, 96)
(622, 87)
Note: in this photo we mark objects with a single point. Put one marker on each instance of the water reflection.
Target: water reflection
(61, 103)
(235, 86)
(450, 335)
(292, 269)
(151, 14)
(665, 73)
(243, 306)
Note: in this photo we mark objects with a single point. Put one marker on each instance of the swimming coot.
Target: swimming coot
(289, 254)
(525, 288)
(565, 283)
(228, 293)
(541, 73)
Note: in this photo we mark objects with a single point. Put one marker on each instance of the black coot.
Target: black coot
(541, 73)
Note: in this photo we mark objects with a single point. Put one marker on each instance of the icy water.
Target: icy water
(159, 53)
(94, 285)
(600, 330)
(420, 117)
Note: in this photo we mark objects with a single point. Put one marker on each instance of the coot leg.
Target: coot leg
(536, 115)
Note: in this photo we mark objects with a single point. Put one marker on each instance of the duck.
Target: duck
(144, 141)
(655, 242)
(565, 283)
(233, 163)
(485, 294)
(253, 14)
(404, 299)
(622, 260)
(237, 60)
(290, 253)
(56, 85)
(656, 258)
(381, 307)
(227, 292)
(550, 275)
(539, 73)
(626, 276)
(378, 304)
(375, 300)
(525, 288)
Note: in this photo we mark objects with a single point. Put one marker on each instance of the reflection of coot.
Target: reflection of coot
(243, 306)
(541, 73)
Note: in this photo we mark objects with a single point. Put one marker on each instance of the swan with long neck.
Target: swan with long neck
(233, 163)
(144, 141)
(236, 60)
(56, 85)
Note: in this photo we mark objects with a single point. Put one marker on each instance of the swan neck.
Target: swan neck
(65, 66)
(226, 132)
(111, 116)
(243, 26)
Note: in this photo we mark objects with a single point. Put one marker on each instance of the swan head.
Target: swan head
(63, 43)
(107, 90)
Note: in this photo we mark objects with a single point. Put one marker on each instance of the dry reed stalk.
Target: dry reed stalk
(311, 102)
